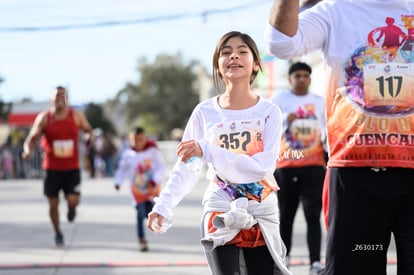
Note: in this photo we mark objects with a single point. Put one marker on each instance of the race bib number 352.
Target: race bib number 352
(242, 137)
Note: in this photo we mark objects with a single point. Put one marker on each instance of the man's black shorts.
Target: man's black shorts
(68, 181)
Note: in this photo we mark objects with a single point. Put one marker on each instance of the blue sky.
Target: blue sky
(95, 63)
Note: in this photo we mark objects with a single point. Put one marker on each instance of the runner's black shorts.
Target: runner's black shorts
(67, 181)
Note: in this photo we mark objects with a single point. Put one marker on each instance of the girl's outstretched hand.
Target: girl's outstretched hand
(155, 222)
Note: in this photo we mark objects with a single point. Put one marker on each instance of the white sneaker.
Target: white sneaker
(316, 269)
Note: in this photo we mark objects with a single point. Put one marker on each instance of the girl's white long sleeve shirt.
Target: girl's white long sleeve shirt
(241, 146)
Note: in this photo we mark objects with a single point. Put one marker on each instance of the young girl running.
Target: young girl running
(237, 133)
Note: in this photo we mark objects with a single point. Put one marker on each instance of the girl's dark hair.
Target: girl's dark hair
(222, 41)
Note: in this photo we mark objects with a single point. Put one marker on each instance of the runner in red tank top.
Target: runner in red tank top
(59, 129)
(60, 143)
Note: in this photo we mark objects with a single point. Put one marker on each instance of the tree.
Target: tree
(5, 107)
(96, 117)
(165, 96)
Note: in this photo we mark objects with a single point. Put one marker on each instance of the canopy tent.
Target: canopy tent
(21, 120)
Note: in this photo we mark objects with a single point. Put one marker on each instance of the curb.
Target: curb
(130, 264)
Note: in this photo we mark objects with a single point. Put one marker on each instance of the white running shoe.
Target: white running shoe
(316, 269)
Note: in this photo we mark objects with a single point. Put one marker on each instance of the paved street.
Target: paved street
(102, 240)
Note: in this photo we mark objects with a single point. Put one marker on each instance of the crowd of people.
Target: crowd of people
(12, 165)
(102, 155)
(98, 159)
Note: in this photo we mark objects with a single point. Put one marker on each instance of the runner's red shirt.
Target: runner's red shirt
(60, 143)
